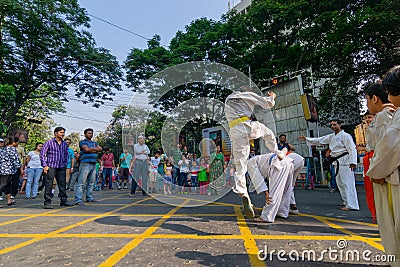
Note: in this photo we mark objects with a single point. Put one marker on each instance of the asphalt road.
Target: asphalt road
(144, 231)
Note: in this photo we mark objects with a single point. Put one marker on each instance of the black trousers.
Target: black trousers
(5, 184)
(60, 175)
(15, 182)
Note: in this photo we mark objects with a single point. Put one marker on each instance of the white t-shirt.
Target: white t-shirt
(154, 164)
(34, 162)
(185, 166)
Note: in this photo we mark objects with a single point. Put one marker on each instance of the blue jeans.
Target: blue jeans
(195, 183)
(107, 172)
(87, 177)
(175, 177)
(333, 184)
(183, 182)
(33, 177)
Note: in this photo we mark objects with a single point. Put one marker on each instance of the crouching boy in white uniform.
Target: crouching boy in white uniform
(277, 194)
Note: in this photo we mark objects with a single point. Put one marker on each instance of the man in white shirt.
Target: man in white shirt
(344, 157)
(140, 165)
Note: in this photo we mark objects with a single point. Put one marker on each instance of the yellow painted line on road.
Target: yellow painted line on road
(120, 215)
(366, 240)
(31, 216)
(311, 237)
(249, 242)
(341, 220)
(121, 204)
(190, 236)
(27, 217)
(44, 236)
(208, 202)
(117, 256)
(4, 209)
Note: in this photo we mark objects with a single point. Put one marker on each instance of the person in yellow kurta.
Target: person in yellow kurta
(386, 164)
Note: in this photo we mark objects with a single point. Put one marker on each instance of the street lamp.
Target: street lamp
(241, 59)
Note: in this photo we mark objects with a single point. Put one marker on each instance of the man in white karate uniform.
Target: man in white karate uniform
(344, 157)
(238, 109)
(386, 164)
(298, 164)
(280, 184)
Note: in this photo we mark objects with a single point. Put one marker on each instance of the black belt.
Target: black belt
(335, 159)
(91, 163)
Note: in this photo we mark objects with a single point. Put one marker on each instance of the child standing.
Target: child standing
(231, 174)
(183, 175)
(203, 177)
(193, 176)
(168, 169)
(154, 161)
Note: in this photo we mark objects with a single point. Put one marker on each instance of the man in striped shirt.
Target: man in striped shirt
(54, 159)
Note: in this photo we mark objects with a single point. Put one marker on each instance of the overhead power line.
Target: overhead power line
(123, 29)
(119, 27)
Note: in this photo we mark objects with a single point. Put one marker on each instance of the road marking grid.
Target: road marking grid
(249, 239)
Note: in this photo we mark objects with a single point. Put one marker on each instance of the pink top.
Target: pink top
(107, 160)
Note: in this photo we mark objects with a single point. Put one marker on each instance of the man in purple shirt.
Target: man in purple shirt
(54, 159)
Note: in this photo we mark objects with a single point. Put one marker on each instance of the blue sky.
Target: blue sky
(145, 18)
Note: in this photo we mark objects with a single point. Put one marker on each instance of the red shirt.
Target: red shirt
(107, 160)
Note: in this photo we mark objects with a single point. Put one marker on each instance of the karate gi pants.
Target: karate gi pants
(298, 164)
(240, 136)
(346, 183)
(388, 218)
(280, 176)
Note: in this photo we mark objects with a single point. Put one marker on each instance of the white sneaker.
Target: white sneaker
(12, 197)
(1, 198)
(282, 153)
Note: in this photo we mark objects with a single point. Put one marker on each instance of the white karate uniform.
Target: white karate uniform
(280, 177)
(298, 164)
(239, 105)
(339, 144)
(385, 164)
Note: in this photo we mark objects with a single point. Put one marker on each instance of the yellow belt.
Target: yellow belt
(238, 121)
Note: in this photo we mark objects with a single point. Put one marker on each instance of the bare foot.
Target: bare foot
(268, 199)
(259, 220)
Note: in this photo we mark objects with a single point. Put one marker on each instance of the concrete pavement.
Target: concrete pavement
(142, 231)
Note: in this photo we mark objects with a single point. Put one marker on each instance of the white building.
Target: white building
(242, 7)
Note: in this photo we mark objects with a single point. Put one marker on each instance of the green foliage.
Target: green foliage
(45, 48)
(39, 133)
(346, 43)
(153, 130)
(75, 138)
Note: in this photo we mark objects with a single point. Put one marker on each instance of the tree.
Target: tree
(39, 133)
(75, 138)
(347, 43)
(45, 49)
(203, 40)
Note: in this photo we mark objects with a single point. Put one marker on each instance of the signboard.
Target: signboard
(309, 104)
